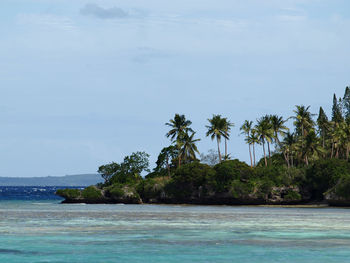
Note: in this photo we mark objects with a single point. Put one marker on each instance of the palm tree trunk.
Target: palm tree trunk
(251, 159)
(268, 147)
(284, 152)
(254, 152)
(217, 140)
(167, 165)
(179, 160)
(225, 148)
(306, 160)
(332, 150)
(264, 153)
(337, 153)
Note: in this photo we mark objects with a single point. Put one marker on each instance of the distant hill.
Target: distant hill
(68, 180)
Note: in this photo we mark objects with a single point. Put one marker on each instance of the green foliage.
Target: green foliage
(342, 188)
(166, 160)
(324, 174)
(152, 188)
(91, 193)
(241, 190)
(115, 191)
(276, 159)
(108, 170)
(230, 170)
(278, 175)
(69, 193)
(337, 115)
(129, 171)
(189, 179)
(292, 196)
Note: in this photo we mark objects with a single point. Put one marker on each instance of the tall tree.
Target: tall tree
(252, 140)
(246, 129)
(188, 148)
(179, 127)
(289, 145)
(166, 158)
(323, 125)
(279, 129)
(346, 104)
(216, 130)
(264, 132)
(337, 115)
(228, 124)
(312, 147)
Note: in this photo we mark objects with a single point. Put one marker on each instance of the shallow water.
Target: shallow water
(46, 231)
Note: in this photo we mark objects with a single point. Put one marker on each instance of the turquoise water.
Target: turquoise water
(46, 231)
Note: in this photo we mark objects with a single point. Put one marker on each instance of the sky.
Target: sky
(84, 83)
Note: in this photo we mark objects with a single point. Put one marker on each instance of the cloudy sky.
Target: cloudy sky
(84, 83)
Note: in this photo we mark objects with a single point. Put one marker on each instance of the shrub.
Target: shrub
(91, 193)
(69, 193)
(342, 188)
(190, 179)
(279, 175)
(324, 174)
(239, 189)
(228, 171)
(292, 196)
(115, 191)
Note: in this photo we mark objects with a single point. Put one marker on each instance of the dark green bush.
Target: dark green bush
(292, 196)
(279, 175)
(239, 189)
(228, 171)
(188, 179)
(115, 191)
(342, 188)
(69, 193)
(324, 174)
(91, 193)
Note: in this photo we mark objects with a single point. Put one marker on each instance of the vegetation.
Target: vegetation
(302, 163)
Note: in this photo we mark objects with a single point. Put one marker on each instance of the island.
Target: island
(308, 164)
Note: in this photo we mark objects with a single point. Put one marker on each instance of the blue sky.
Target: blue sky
(85, 83)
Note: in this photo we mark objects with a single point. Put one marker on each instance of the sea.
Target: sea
(36, 227)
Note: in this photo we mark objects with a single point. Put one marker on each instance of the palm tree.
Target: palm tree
(312, 147)
(217, 129)
(279, 128)
(227, 130)
(289, 146)
(246, 129)
(303, 123)
(180, 126)
(252, 140)
(303, 120)
(264, 132)
(188, 148)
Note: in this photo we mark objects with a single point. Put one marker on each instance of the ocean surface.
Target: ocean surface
(35, 227)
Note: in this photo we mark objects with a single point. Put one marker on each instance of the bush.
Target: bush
(228, 171)
(292, 196)
(115, 191)
(342, 188)
(91, 193)
(239, 189)
(190, 179)
(324, 174)
(279, 175)
(69, 193)
(152, 188)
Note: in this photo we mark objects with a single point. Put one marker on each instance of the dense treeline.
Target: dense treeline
(308, 162)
